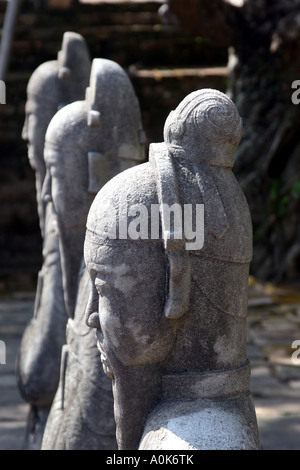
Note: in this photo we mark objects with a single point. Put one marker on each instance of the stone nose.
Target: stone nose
(93, 321)
(25, 130)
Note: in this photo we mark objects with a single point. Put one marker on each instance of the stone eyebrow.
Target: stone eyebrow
(100, 268)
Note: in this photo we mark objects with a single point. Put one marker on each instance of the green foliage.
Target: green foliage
(279, 202)
(295, 190)
(283, 203)
(274, 191)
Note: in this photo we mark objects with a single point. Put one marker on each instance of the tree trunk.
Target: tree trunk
(264, 62)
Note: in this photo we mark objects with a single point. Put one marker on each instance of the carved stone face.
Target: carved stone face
(33, 133)
(40, 108)
(38, 113)
(128, 295)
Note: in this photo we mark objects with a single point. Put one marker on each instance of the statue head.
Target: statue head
(74, 64)
(124, 135)
(149, 314)
(81, 155)
(49, 89)
(43, 98)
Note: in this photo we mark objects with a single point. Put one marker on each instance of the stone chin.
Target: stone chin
(106, 367)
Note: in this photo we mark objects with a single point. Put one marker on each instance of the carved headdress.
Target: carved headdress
(61, 81)
(208, 115)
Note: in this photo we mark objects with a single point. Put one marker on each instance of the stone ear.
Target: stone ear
(64, 73)
(94, 118)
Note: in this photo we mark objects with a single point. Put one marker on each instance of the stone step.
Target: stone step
(99, 2)
(127, 32)
(161, 90)
(158, 90)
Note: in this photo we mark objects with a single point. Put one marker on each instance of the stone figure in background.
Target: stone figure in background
(87, 143)
(169, 299)
(52, 85)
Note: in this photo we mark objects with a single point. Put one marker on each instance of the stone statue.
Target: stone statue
(87, 143)
(168, 247)
(51, 86)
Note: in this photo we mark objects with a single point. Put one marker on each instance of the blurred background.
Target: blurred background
(246, 48)
(130, 33)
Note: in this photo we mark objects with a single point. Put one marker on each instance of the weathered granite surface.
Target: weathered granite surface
(87, 143)
(169, 300)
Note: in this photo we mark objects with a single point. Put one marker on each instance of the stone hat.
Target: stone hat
(107, 124)
(74, 63)
(63, 80)
(113, 106)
